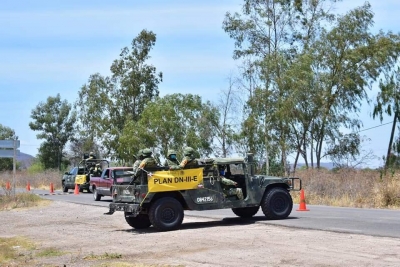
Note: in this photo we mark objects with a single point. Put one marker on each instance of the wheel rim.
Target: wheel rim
(168, 215)
(94, 193)
(279, 204)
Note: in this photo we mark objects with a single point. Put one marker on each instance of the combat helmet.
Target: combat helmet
(140, 154)
(146, 153)
(188, 151)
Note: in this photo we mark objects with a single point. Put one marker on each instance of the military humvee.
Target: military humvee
(159, 197)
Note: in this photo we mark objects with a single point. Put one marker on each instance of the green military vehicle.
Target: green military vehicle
(159, 197)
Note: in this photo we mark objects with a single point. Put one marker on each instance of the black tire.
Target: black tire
(64, 187)
(247, 212)
(96, 195)
(141, 221)
(166, 214)
(80, 189)
(277, 204)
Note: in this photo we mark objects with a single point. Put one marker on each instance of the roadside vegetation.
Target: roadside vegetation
(363, 188)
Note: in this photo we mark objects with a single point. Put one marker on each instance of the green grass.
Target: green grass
(13, 249)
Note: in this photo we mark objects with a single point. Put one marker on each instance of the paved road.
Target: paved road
(375, 222)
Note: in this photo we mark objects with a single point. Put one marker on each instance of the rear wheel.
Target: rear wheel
(141, 221)
(96, 195)
(277, 204)
(166, 214)
(247, 212)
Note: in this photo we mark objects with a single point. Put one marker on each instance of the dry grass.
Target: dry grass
(345, 187)
(351, 188)
(36, 181)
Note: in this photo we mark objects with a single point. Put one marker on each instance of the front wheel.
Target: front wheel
(166, 214)
(141, 221)
(277, 204)
(247, 212)
(96, 195)
(64, 187)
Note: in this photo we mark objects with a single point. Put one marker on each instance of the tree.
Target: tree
(348, 59)
(272, 34)
(388, 101)
(171, 122)
(229, 109)
(6, 133)
(55, 122)
(107, 104)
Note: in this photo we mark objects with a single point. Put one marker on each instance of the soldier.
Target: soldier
(139, 159)
(171, 159)
(188, 161)
(148, 160)
(91, 162)
(225, 183)
(97, 170)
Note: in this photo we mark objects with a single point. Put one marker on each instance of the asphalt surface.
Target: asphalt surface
(374, 222)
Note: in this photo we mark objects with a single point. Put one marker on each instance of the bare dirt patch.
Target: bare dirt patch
(89, 238)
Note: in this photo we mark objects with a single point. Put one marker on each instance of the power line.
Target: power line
(375, 127)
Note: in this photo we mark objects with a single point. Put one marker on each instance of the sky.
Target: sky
(49, 47)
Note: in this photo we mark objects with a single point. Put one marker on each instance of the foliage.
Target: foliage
(55, 122)
(171, 122)
(6, 133)
(307, 77)
(106, 104)
(36, 167)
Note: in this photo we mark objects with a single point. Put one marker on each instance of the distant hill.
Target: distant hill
(25, 160)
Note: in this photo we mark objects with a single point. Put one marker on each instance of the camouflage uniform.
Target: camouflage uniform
(97, 170)
(138, 161)
(229, 191)
(148, 160)
(188, 161)
(171, 160)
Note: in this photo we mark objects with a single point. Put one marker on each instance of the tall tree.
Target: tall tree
(388, 102)
(349, 58)
(6, 133)
(172, 122)
(55, 121)
(273, 33)
(106, 104)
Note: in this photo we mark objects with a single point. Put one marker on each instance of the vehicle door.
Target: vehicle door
(104, 181)
(210, 196)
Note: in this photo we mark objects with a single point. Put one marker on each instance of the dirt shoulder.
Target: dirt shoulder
(89, 238)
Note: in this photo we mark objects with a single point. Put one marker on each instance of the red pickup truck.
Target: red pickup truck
(102, 186)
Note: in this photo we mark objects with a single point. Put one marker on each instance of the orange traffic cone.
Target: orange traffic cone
(28, 186)
(302, 206)
(8, 186)
(51, 188)
(76, 191)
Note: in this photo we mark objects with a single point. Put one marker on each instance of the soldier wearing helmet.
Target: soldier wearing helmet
(97, 170)
(139, 158)
(188, 161)
(171, 159)
(227, 183)
(148, 160)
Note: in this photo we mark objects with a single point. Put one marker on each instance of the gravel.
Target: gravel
(89, 238)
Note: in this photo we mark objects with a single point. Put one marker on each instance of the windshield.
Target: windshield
(123, 173)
